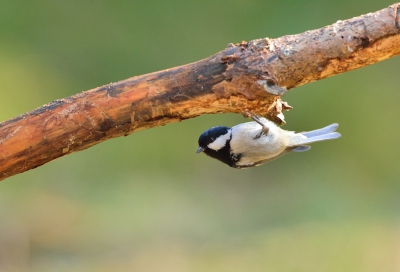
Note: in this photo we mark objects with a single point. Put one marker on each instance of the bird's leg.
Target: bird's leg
(264, 128)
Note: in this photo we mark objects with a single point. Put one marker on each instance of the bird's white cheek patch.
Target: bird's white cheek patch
(220, 141)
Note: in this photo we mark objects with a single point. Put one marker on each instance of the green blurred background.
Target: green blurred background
(146, 202)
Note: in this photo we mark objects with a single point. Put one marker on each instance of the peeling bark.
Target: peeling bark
(246, 76)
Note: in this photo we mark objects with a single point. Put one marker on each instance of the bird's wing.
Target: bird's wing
(287, 150)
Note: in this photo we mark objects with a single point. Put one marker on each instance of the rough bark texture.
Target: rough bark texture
(247, 76)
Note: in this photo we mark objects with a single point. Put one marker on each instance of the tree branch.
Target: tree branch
(247, 76)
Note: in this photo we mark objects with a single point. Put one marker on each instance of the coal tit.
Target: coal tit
(254, 143)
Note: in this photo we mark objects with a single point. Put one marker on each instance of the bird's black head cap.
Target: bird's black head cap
(209, 136)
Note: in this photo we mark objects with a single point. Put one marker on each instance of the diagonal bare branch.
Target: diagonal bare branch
(246, 76)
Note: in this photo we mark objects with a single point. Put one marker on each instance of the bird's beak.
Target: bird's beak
(200, 149)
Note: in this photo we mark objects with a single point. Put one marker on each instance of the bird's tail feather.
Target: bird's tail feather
(300, 144)
(329, 136)
(322, 134)
(321, 131)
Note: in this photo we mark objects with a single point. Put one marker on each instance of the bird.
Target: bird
(260, 141)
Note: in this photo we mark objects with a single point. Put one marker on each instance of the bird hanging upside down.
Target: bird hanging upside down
(254, 143)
